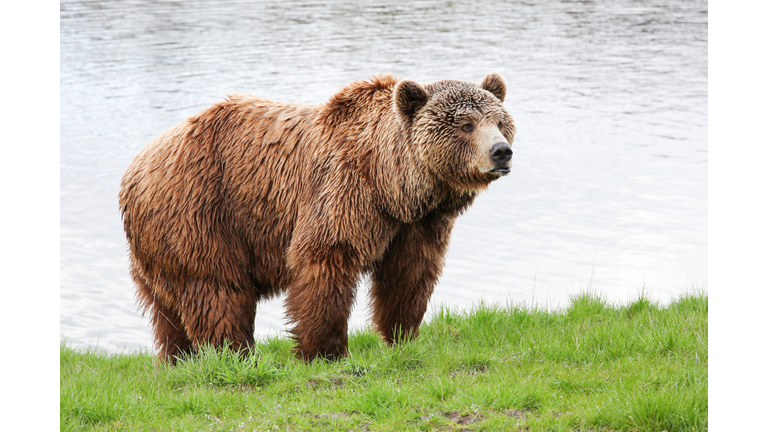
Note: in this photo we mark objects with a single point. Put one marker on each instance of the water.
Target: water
(609, 186)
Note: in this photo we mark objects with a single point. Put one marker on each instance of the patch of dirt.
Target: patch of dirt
(478, 371)
(465, 419)
(313, 383)
(323, 420)
(246, 388)
(332, 416)
(357, 371)
(520, 415)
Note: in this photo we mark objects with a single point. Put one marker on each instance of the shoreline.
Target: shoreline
(591, 365)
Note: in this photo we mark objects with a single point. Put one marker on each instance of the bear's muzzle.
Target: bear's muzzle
(500, 153)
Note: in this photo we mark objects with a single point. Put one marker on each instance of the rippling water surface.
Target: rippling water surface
(609, 185)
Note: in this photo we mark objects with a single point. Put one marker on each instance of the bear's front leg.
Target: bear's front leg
(404, 278)
(320, 300)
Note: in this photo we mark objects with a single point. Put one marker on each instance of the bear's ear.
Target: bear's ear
(409, 96)
(494, 83)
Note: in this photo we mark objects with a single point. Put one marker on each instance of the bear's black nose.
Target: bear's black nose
(501, 152)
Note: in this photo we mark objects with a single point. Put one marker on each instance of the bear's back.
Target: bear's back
(201, 198)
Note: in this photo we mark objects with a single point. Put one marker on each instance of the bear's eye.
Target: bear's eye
(501, 125)
(469, 127)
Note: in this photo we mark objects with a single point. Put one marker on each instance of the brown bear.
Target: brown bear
(252, 197)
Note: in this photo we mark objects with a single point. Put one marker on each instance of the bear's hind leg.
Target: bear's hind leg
(215, 314)
(170, 337)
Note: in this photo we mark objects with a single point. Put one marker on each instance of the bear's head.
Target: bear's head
(459, 130)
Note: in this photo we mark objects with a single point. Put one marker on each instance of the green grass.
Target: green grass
(592, 366)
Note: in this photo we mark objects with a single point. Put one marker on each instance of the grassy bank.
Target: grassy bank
(592, 366)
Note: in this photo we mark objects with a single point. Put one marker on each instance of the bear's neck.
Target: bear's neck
(360, 119)
(403, 188)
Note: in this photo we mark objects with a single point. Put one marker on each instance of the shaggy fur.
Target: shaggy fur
(253, 197)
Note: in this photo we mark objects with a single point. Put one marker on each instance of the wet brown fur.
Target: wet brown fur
(253, 197)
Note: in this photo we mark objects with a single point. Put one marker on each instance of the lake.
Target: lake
(608, 192)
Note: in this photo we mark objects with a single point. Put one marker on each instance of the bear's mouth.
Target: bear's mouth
(500, 170)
